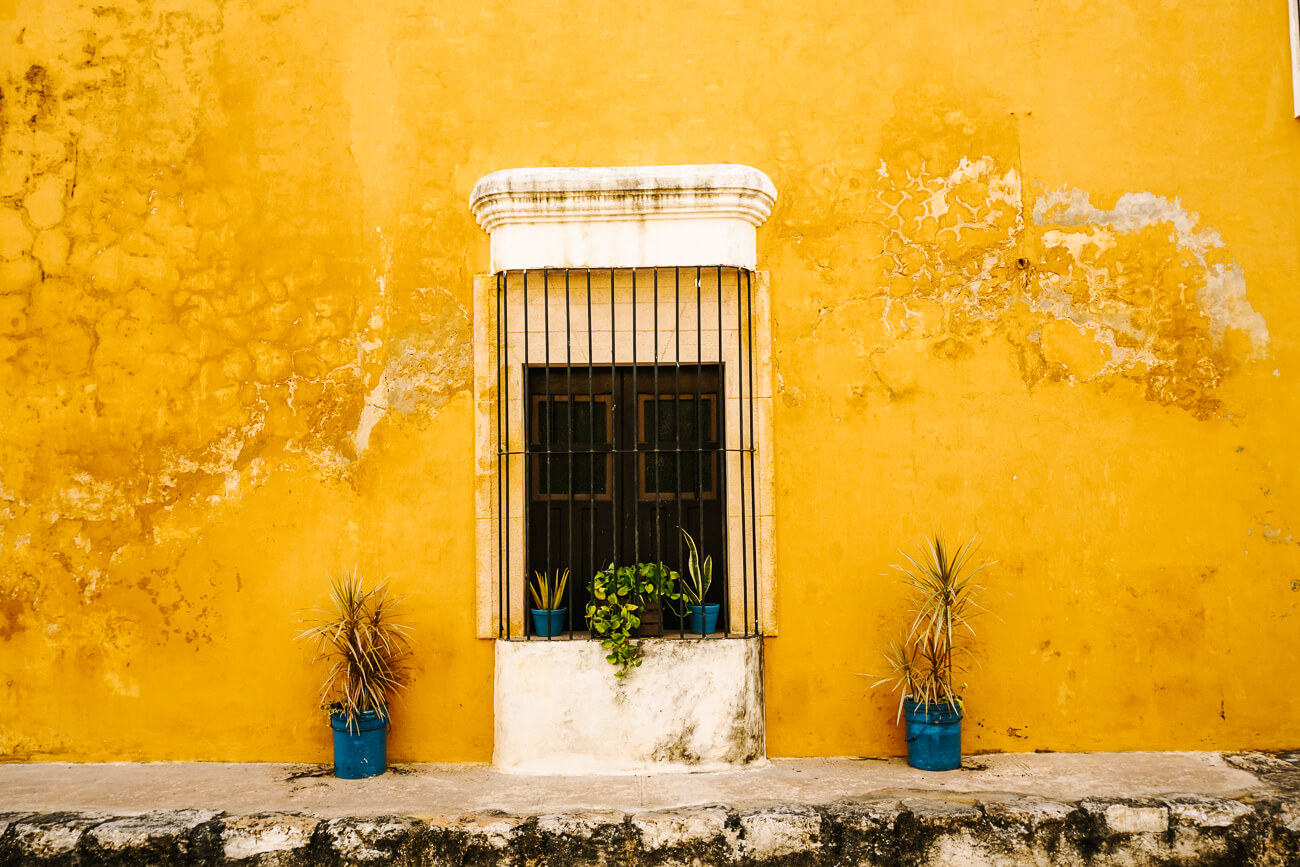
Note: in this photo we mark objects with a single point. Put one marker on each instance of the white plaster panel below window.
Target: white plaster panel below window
(693, 705)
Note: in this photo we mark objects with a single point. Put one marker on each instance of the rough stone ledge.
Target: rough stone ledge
(1183, 830)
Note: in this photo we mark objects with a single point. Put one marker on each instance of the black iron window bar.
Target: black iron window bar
(579, 450)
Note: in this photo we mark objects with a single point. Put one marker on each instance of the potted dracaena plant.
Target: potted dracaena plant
(701, 616)
(925, 661)
(621, 596)
(367, 652)
(548, 602)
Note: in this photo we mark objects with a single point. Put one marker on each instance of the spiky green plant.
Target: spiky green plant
(923, 663)
(548, 594)
(367, 650)
(698, 576)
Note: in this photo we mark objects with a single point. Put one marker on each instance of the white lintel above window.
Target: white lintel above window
(623, 217)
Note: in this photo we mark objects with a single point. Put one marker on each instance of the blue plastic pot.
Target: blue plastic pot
(548, 623)
(702, 619)
(933, 736)
(361, 751)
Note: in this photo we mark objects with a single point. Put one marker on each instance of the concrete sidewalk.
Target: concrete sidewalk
(1128, 808)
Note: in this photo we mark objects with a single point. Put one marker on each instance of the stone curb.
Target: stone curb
(1180, 830)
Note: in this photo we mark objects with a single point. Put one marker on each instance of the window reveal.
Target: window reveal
(628, 413)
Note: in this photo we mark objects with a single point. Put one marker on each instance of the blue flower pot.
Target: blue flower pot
(362, 750)
(702, 619)
(548, 623)
(933, 736)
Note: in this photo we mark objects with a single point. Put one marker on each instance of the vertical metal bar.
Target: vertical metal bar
(503, 540)
(568, 374)
(550, 416)
(677, 412)
(721, 482)
(654, 452)
(740, 461)
(591, 499)
(616, 459)
(524, 436)
(636, 436)
(568, 459)
(753, 478)
(699, 410)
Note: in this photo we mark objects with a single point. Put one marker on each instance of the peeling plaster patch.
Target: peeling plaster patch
(375, 409)
(425, 369)
(950, 255)
(1275, 535)
(90, 585)
(426, 365)
(1223, 294)
(376, 322)
(1077, 242)
(1223, 297)
(1133, 211)
(376, 403)
(86, 497)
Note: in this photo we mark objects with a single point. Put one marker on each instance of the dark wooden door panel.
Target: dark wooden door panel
(619, 459)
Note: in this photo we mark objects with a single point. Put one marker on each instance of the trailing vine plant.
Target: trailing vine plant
(619, 595)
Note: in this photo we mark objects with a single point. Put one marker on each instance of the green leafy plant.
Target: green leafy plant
(925, 660)
(698, 576)
(619, 595)
(547, 593)
(367, 650)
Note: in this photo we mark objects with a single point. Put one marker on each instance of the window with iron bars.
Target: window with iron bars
(626, 412)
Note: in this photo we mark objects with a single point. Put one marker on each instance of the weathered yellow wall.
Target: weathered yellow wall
(1033, 274)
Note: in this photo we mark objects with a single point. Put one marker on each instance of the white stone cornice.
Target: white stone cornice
(628, 216)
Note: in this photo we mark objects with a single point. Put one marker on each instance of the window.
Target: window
(587, 379)
(628, 411)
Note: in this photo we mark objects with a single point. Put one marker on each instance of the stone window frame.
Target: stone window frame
(619, 218)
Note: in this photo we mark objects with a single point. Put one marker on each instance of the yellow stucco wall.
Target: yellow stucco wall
(1034, 272)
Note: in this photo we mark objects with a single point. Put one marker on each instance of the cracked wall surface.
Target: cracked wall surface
(975, 340)
(1032, 274)
(198, 335)
(1140, 292)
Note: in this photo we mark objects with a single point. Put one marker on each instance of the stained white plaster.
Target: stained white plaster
(693, 705)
